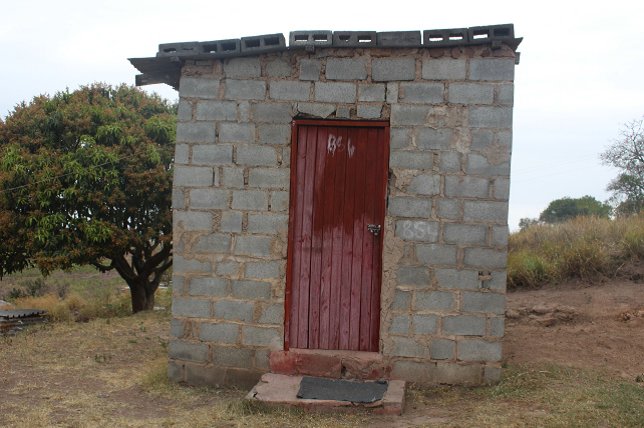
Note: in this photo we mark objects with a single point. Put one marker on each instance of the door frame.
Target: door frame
(292, 192)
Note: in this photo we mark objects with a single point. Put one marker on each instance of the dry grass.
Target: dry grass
(585, 248)
(107, 373)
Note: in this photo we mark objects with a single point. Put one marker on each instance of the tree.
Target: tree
(627, 155)
(567, 208)
(85, 178)
(526, 222)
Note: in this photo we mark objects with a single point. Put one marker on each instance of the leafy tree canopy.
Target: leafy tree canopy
(627, 155)
(567, 208)
(85, 178)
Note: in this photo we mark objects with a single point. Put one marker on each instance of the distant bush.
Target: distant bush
(584, 248)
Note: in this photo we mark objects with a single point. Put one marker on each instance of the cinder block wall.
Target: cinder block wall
(443, 289)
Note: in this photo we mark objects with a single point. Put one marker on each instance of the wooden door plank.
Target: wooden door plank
(347, 241)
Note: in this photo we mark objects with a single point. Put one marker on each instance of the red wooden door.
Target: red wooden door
(338, 190)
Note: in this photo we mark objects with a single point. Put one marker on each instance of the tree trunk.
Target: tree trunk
(142, 294)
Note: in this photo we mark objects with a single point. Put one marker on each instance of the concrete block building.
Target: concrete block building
(340, 204)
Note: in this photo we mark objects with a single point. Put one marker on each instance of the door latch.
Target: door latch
(374, 228)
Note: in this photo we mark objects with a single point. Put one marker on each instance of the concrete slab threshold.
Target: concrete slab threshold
(279, 389)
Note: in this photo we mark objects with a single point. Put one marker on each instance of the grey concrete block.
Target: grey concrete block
(216, 110)
(212, 154)
(417, 230)
(494, 212)
(392, 92)
(219, 332)
(388, 69)
(233, 177)
(496, 326)
(310, 69)
(230, 132)
(444, 69)
(354, 39)
(400, 324)
(371, 92)
(412, 275)
(240, 68)
(288, 90)
(269, 178)
(505, 95)
(458, 279)
(234, 310)
(369, 111)
(425, 324)
(491, 117)
(213, 243)
(423, 184)
(433, 300)
(485, 257)
(272, 112)
(482, 139)
(274, 134)
(465, 234)
(483, 302)
(445, 37)
(450, 161)
(228, 356)
(442, 349)
(191, 221)
(178, 199)
(478, 350)
(343, 112)
(209, 198)
(406, 115)
(263, 44)
(410, 160)
(228, 268)
(192, 176)
(314, 38)
(409, 207)
(436, 254)
(254, 200)
(190, 308)
(257, 246)
(492, 375)
(493, 69)
(208, 286)
(181, 154)
(471, 93)
(464, 325)
(421, 93)
(256, 155)
(434, 139)
(402, 300)
(262, 270)
(346, 69)
(279, 201)
(267, 223)
(400, 138)
(501, 188)
(184, 111)
(278, 68)
(195, 132)
(177, 328)
(262, 336)
(316, 109)
(335, 92)
(500, 236)
(198, 87)
(244, 90)
(405, 347)
(182, 350)
(399, 39)
(272, 314)
(480, 165)
(243, 289)
(231, 221)
(450, 209)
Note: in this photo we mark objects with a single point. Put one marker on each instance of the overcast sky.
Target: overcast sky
(580, 77)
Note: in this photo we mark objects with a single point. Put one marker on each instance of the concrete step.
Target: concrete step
(330, 363)
(281, 390)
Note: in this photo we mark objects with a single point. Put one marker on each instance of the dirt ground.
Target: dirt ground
(585, 326)
(112, 373)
